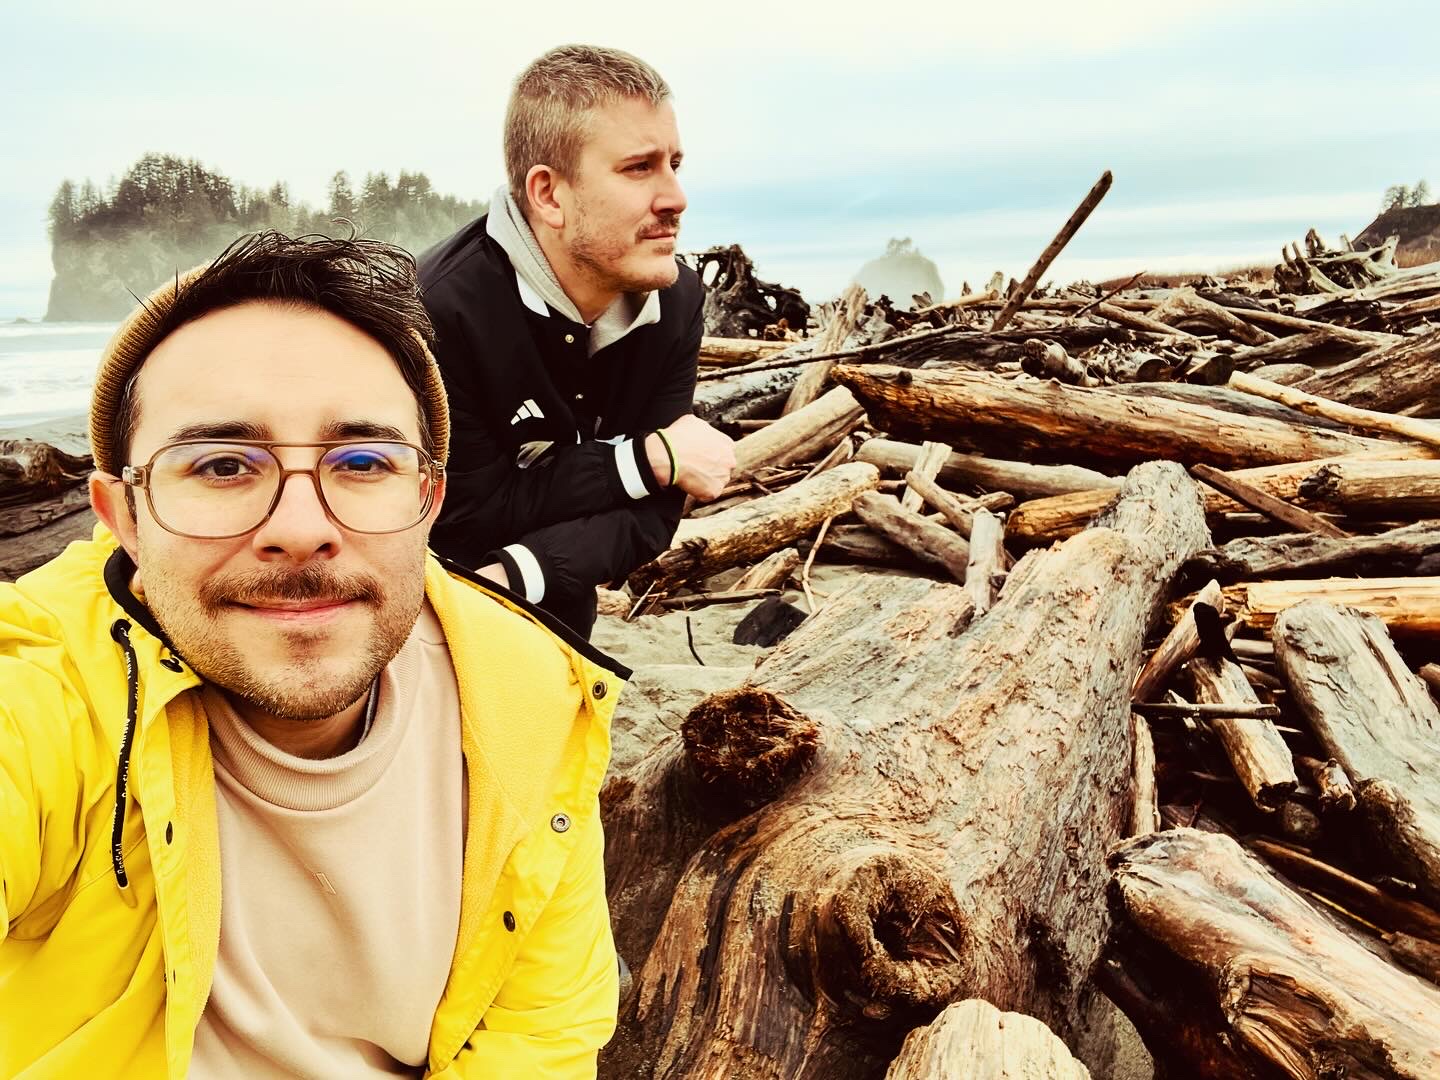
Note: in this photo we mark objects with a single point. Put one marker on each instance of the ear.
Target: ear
(543, 189)
(436, 502)
(107, 499)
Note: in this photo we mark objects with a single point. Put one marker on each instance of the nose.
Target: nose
(670, 199)
(299, 529)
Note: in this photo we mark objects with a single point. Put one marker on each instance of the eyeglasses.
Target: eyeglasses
(215, 490)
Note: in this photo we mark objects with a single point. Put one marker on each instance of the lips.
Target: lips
(296, 611)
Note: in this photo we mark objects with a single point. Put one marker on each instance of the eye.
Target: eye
(221, 467)
(639, 166)
(675, 164)
(361, 461)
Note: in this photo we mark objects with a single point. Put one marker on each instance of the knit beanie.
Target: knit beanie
(146, 327)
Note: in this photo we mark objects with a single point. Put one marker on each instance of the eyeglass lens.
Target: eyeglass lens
(225, 489)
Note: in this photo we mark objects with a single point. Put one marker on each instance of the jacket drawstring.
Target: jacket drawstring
(120, 631)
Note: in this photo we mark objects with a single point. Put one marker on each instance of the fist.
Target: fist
(704, 458)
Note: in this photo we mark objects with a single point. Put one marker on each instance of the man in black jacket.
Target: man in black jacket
(567, 337)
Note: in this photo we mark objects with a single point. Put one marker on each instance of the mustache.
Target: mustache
(664, 224)
(311, 582)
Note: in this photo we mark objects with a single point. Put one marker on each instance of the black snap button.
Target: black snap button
(173, 663)
(169, 831)
(600, 689)
(509, 922)
(560, 822)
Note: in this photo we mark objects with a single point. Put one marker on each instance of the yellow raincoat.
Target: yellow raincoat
(109, 857)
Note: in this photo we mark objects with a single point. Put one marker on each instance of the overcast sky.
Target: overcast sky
(813, 132)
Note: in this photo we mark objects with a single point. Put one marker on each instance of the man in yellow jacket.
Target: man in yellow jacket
(281, 794)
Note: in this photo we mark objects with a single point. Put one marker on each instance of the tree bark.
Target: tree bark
(1019, 478)
(1051, 419)
(909, 867)
(754, 529)
(727, 352)
(1255, 983)
(975, 1040)
(744, 395)
(1377, 719)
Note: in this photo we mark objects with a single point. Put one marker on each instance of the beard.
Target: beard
(604, 257)
(316, 676)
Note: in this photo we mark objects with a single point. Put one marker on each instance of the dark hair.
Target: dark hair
(369, 284)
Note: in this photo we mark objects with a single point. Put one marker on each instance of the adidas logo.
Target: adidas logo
(527, 411)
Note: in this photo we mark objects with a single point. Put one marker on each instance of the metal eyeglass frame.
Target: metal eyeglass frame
(138, 476)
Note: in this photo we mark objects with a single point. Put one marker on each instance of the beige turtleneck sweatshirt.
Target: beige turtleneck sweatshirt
(340, 885)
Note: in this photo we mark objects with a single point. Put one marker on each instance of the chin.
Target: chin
(657, 272)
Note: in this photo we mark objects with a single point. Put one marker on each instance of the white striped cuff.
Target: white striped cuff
(532, 580)
(630, 476)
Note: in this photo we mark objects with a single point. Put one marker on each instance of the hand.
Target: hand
(704, 457)
(496, 573)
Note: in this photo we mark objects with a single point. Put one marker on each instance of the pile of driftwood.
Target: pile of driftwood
(1150, 719)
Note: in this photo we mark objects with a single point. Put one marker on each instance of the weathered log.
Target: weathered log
(31, 471)
(1180, 644)
(1051, 361)
(927, 466)
(47, 528)
(1067, 231)
(1292, 555)
(737, 749)
(857, 544)
(1394, 378)
(1377, 719)
(1251, 980)
(1370, 902)
(771, 572)
(728, 352)
(1226, 399)
(1391, 489)
(793, 437)
(1265, 503)
(930, 542)
(909, 868)
(1145, 817)
(744, 395)
(986, 569)
(1136, 321)
(837, 334)
(1336, 791)
(1405, 605)
(1403, 427)
(1021, 479)
(1184, 303)
(975, 1040)
(1256, 751)
(752, 530)
(1048, 419)
(1042, 520)
(1304, 351)
(958, 510)
(1365, 340)
(737, 302)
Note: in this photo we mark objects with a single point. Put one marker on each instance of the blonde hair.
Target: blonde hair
(548, 117)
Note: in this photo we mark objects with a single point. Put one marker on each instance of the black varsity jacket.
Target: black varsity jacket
(547, 473)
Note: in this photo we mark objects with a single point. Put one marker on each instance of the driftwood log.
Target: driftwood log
(1050, 420)
(1377, 719)
(1228, 972)
(1019, 478)
(1395, 378)
(1291, 555)
(930, 542)
(896, 863)
(1406, 605)
(752, 530)
(975, 1040)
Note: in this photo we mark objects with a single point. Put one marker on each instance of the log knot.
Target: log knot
(893, 934)
(748, 743)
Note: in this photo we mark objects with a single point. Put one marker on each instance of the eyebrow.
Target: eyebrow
(244, 429)
(649, 152)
